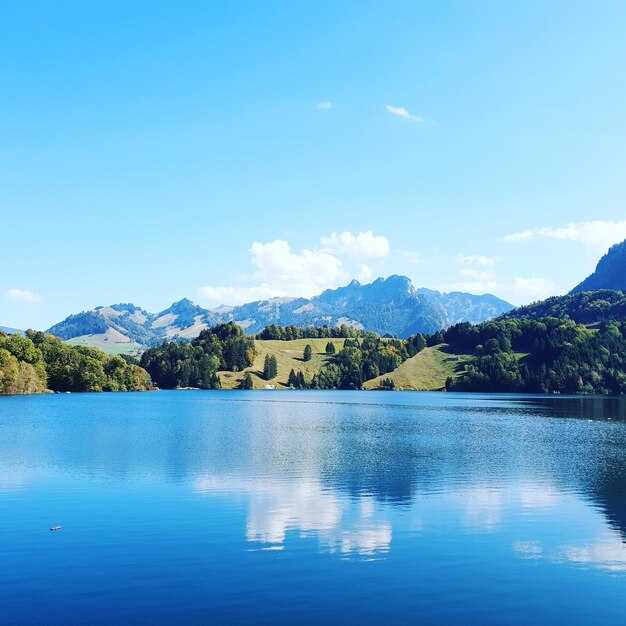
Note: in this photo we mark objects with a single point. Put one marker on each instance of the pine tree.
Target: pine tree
(269, 367)
(308, 352)
(330, 348)
(246, 382)
(292, 381)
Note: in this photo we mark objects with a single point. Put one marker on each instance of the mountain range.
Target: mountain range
(11, 331)
(390, 306)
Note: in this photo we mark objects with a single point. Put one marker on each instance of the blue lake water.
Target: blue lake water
(309, 507)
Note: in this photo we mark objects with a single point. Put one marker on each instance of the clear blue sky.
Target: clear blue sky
(155, 150)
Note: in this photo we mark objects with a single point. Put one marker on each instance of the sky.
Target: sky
(231, 151)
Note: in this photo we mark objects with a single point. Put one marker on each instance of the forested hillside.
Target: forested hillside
(587, 307)
(517, 354)
(225, 348)
(180, 364)
(541, 356)
(40, 362)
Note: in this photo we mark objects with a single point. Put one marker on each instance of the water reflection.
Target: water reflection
(308, 509)
(363, 526)
(608, 552)
(610, 408)
(528, 549)
(362, 475)
(13, 479)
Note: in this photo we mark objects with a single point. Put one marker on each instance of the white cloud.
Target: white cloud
(412, 257)
(235, 295)
(325, 106)
(487, 275)
(476, 259)
(308, 271)
(526, 289)
(520, 289)
(403, 113)
(365, 274)
(281, 272)
(23, 295)
(596, 235)
(478, 281)
(480, 276)
(477, 287)
(362, 246)
(523, 235)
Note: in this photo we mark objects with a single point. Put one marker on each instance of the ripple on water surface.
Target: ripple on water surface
(312, 506)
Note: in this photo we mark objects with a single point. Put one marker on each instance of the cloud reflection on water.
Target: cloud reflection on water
(305, 508)
(607, 553)
(368, 475)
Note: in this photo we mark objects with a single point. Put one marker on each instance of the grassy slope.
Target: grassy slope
(288, 355)
(428, 370)
(97, 341)
(425, 371)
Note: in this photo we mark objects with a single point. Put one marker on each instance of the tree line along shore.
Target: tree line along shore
(544, 355)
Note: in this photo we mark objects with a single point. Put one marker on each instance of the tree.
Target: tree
(180, 364)
(230, 343)
(270, 367)
(436, 339)
(292, 381)
(301, 382)
(246, 382)
(296, 381)
(308, 352)
(416, 344)
(330, 348)
(8, 372)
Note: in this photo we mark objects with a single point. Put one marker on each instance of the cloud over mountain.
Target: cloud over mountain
(596, 235)
(280, 271)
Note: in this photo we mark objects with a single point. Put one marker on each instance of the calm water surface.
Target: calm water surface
(308, 507)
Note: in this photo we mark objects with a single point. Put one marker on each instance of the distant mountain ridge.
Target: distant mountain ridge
(610, 273)
(11, 331)
(386, 306)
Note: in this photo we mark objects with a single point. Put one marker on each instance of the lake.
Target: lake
(309, 507)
